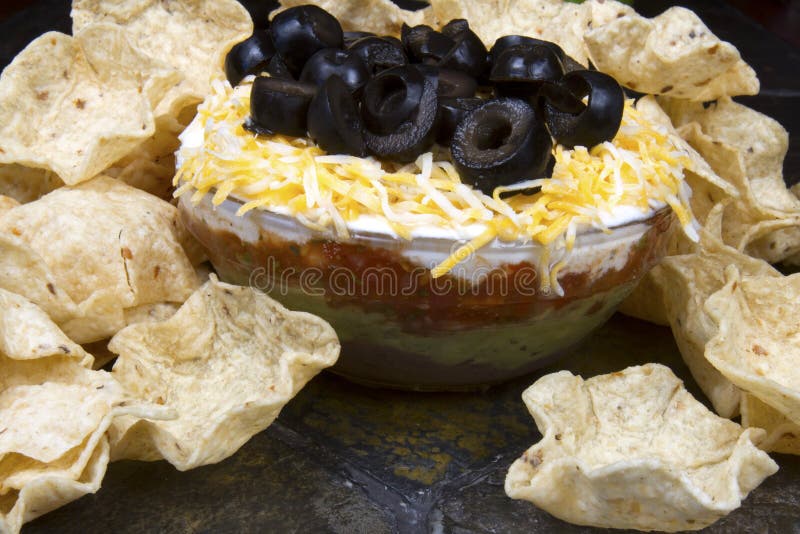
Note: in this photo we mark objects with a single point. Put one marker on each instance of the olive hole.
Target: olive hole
(394, 93)
(493, 134)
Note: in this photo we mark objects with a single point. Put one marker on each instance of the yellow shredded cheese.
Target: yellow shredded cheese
(640, 165)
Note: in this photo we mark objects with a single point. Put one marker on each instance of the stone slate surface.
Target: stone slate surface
(343, 458)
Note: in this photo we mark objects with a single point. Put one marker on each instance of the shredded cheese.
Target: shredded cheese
(640, 165)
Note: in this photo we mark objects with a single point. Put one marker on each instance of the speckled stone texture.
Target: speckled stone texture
(344, 458)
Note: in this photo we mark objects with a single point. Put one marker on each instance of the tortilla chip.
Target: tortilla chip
(226, 362)
(758, 342)
(54, 413)
(646, 302)
(382, 17)
(47, 492)
(75, 105)
(193, 36)
(87, 253)
(673, 54)
(45, 421)
(26, 332)
(7, 203)
(747, 149)
(634, 449)
(783, 436)
(689, 280)
(25, 184)
(151, 166)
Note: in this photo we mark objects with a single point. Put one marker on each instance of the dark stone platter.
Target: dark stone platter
(344, 458)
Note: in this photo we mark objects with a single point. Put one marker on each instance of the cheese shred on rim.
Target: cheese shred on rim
(641, 168)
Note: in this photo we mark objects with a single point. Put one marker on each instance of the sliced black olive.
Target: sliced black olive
(379, 53)
(449, 83)
(391, 98)
(501, 142)
(600, 117)
(456, 84)
(392, 39)
(351, 37)
(424, 44)
(333, 61)
(571, 65)
(299, 32)
(251, 56)
(280, 106)
(508, 41)
(451, 112)
(468, 54)
(519, 71)
(334, 121)
(277, 68)
(412, 137)
(259, 12)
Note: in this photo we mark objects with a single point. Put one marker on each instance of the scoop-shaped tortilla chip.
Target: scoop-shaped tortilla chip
(6, 203)
(87, 253)
(151, 166)
(634, 449)
(226, 363)
(45, 421)
(26, 184)
(688, 281)
(27, 333)
(673, 54)
(191, 35)
(75, 105)
(46, 492)
(382, 17)
(783, 436)
(746, 148)
(54, 414)
(757, 344)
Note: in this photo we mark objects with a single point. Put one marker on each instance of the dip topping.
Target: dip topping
(370, 149)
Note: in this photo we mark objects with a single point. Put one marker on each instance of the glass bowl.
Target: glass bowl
(484, 322)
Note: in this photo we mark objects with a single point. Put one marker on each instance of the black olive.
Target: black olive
(468, 54)
(391, 98)
(392, 39)
(379, 53)
(333, 119)
(508, 41)
(424, 44)
(280, 106)
(251, 56)
(449, 83)
(333, 61)
(519, 71)
(412, 137)
(597, 121)
(259, 11)
(571, 65)
(299, 32)
(349, 38)
(450, 113)
(501, 142)
(277, 68)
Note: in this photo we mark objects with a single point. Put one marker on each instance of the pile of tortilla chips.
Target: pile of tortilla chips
(90, 249)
